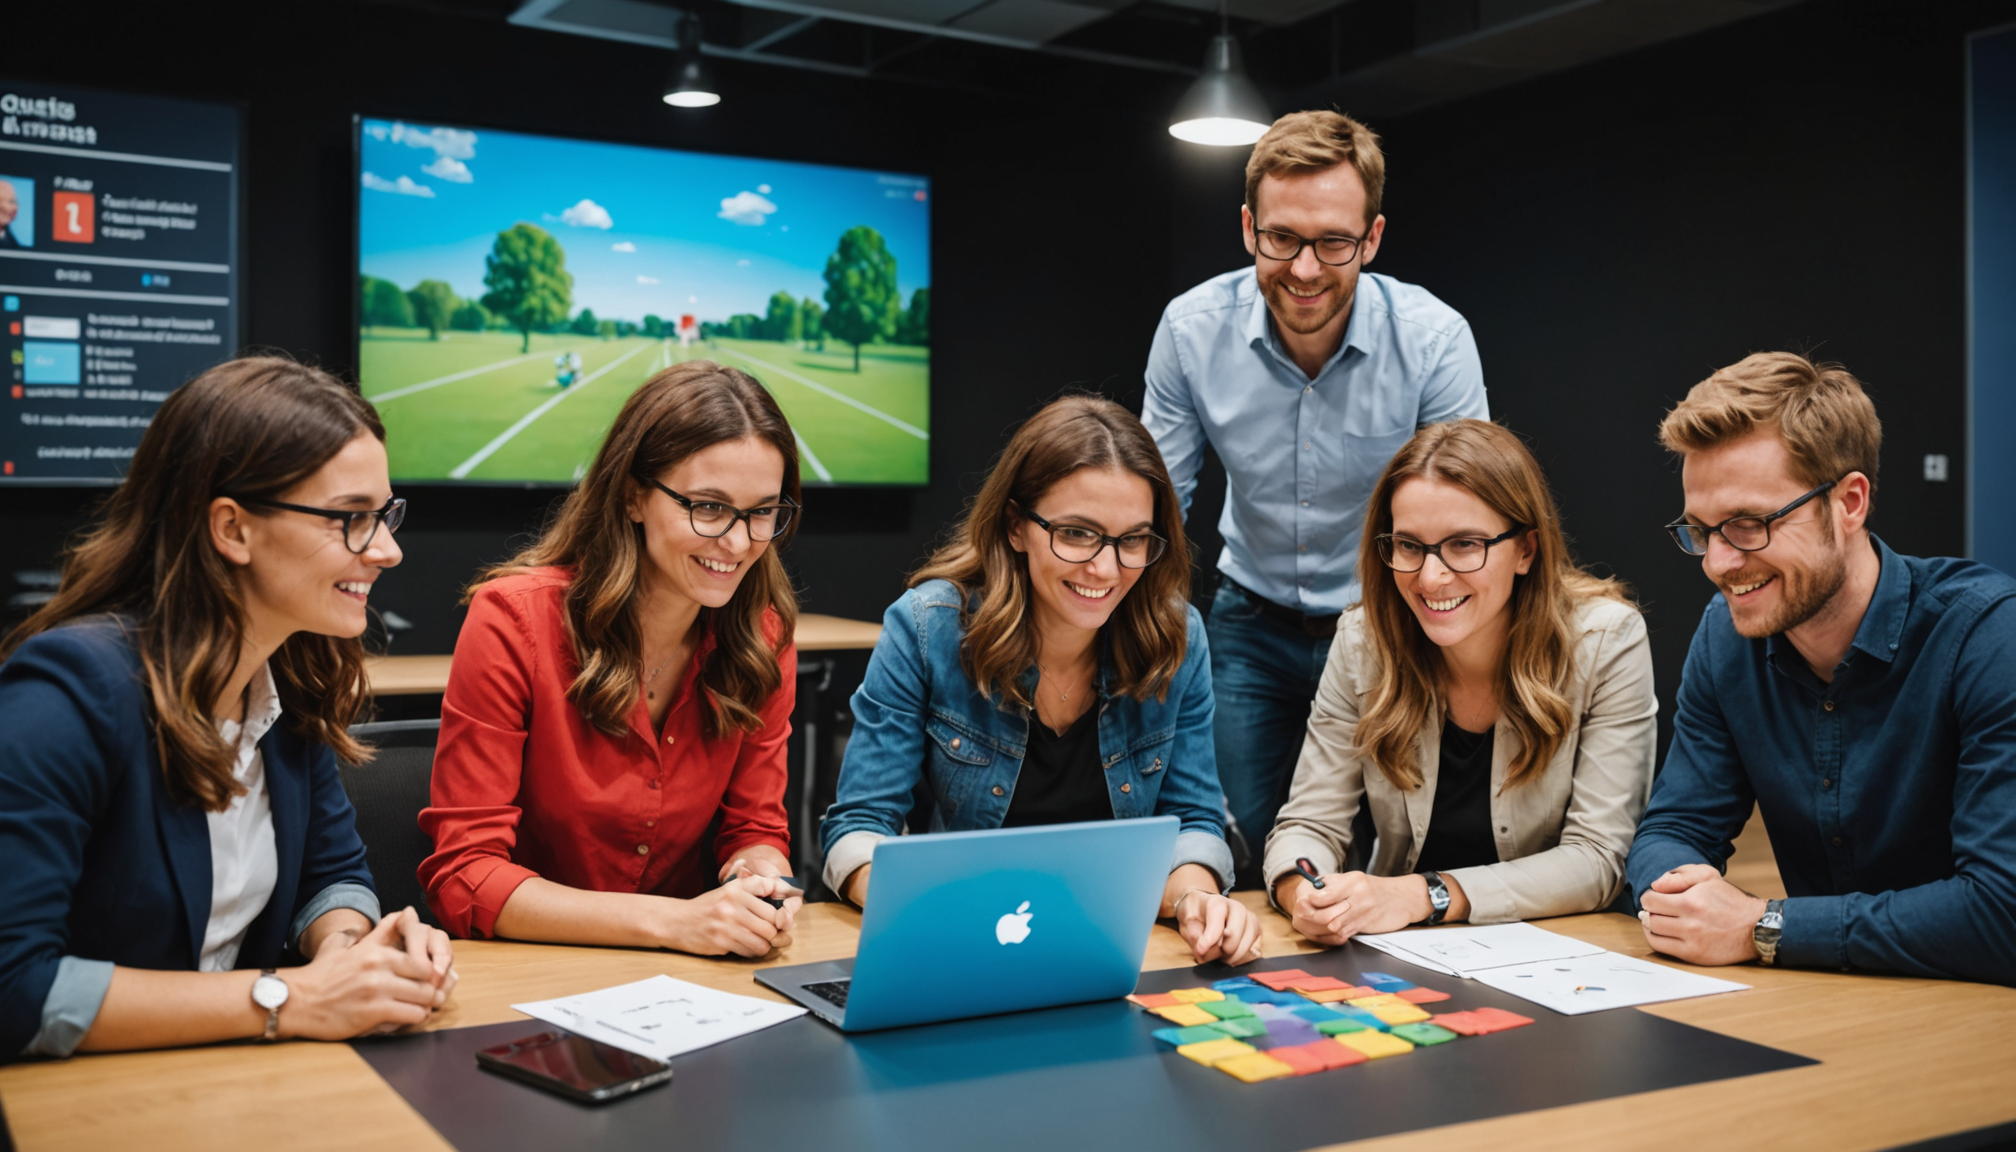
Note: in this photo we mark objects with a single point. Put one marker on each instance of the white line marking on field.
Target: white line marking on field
(811, 458)
(912, 429)
(463, 469)
(424, 385)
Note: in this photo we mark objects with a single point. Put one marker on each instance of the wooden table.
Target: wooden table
(425, 675)
(1893, 1070)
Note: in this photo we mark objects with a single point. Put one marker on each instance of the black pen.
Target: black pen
(1308, 871)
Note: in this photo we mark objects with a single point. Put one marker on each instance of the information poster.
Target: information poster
(118, 269)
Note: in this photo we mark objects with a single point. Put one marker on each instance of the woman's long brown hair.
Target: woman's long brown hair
(1492, 464)
(253, 427)
(680, 411)
(1146, 635)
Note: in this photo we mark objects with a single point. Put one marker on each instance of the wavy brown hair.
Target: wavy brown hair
(680, 411)
(1147, 634)
(1492, 464)
(252, 428)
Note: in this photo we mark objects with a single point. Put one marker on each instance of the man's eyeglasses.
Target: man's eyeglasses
(1074, 544)
(359, 528)
(712, 518)
(1335, 251)
(1743, 533)
(1457, 553)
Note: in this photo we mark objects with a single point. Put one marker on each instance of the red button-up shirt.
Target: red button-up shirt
(524, 786)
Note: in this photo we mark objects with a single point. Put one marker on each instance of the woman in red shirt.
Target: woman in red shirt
(624, 681)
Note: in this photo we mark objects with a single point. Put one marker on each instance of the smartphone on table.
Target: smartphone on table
(574, 1066)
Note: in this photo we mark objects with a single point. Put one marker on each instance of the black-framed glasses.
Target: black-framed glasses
(713, 518)
(1075, 544)
(1457, 553)
(359, 528)
(1335, 251)
(1743, 533)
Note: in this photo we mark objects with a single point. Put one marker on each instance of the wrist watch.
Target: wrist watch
(270, 992)
(1770, 927)
(1438, 898)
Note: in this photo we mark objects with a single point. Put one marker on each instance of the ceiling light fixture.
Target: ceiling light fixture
(1222, 107)
(692, 83)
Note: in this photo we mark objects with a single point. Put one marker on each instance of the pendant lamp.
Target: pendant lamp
(692, 83)
(1222, 107)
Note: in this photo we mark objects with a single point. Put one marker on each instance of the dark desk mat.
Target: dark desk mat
(1088, 1076)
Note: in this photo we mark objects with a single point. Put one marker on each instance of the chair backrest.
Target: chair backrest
(388, 794)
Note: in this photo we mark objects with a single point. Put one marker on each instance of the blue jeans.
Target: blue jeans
(1264, 674)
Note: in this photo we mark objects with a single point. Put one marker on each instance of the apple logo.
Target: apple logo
(1014, 927)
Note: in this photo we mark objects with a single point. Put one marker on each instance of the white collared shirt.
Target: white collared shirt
(244, 864)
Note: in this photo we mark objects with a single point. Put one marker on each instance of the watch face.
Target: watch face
(269, 992)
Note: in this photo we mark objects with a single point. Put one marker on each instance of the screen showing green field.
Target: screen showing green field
(515, 290)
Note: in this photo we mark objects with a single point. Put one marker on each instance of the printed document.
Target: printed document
(660, 1017)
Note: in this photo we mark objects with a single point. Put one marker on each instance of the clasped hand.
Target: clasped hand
(736, 917)
(380, 981)
(1693, 914)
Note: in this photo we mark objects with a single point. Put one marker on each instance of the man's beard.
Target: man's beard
(1284, 307)
(1802, 595)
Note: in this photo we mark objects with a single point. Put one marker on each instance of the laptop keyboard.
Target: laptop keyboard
(834, 992)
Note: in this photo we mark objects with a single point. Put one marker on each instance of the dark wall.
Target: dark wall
(1020, 310)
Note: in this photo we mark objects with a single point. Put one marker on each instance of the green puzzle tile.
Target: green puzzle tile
(1423, 1034)
(1227, 1009)
(1341, 1026)
(1196, 1034)
(1239, 1028)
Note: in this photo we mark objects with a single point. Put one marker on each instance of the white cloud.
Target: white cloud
(763, 188)
(622, 246)
(647, 280)
(588, 214)
(747, 208)
(449, 143)
(741, 263)
(404, 186)
(450, 169)
(692, 299)
(376, 131)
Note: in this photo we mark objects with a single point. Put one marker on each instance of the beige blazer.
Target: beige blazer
(1562, 837)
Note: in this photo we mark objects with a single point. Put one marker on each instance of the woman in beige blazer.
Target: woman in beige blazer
(1489, 701)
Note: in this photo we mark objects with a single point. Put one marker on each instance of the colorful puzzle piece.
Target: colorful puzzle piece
(1235, 982)
(1212, 1051)
(1197, 1034)
(1333, 1054)
(1198, 995)
(1154, 999)
(1317, 984)
(1279, 980)
(1376, 1002)
(1343, 1027)
(1400, 1014)
(1317, 1013)
(1184, 1014)
(1461, 1023)
(1336, 995)
(1247, 1028)
(1258, 995)
(1373, 1045)
(1423, 1034)
(1422, 995)
(1498, 1019)
(1301, 1059)
(1227, 1009)
(1390, 984)
(1289, 1033)
(1255, 1068)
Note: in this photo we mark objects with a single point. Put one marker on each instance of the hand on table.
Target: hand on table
(766, 861)
(1217, 927)
(1693, 914)
(1350, 903)
(733, 919)
(389, 978)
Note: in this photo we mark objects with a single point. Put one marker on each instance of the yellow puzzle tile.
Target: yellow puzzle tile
(1375, 1044)
(1185, 1015)
(1210, 1052)
(1254, 1068)
(1383, 1000)
(1404, 1014)
(1198, 995)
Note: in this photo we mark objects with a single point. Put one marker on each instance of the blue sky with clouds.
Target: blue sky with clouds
(646, 230)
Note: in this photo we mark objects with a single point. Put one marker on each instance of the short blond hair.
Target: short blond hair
(1304, 142)
(1819, 411)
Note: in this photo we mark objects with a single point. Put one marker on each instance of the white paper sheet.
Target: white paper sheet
(660, 1017)
(1467, 950)
(1605, 980)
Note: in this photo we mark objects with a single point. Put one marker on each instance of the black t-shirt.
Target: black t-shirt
(1459, 826)
(1061, 781)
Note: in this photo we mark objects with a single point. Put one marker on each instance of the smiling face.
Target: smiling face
(10, 204)
(1306, 295)
(1458, 610)
(1789, 580)
(1082, 597)
(746, 474)
(293, 569)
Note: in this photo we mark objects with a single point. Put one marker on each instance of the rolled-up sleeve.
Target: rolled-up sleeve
(347, 894)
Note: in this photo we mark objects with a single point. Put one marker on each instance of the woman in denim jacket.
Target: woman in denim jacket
(1046, 667)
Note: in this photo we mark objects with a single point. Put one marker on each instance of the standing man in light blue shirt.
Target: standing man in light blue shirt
(1306, 374)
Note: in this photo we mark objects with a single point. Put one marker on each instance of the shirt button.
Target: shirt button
(671, 739)
(1828, 705)
(998, 791)
(643, 849)
(650, 823)
(1305, 445)
(1305, 503)
(1837, 841)
(1826, 783)
(955, 743)
(1126, 787)
(1301, 548)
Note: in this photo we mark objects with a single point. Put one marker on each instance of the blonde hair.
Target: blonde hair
(1304, 142)
(1492, 464)
(1821, 414)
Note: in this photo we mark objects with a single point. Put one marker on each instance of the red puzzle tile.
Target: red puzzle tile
(1422, 996)
(1154, 999)
(1280, 980)
(1498, 1020)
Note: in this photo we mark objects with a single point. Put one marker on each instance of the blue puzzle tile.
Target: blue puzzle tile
(1316, 1013)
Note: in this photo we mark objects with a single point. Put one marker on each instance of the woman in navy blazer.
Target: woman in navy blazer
(171, 819)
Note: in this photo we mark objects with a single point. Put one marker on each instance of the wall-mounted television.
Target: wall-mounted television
(118, 270)
(513, 290)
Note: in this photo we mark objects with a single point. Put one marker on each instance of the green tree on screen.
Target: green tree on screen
(470, 317)
(654, 327)
(813, 318)
(915, 326)
(585, 324)
(781, 320)
(434, 305)
(526, 273)
(625, 329)
(861, 299)
(384, 305)
(606, 329)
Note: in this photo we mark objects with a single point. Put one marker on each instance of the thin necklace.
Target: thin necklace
(650, 679)
(1063, 697)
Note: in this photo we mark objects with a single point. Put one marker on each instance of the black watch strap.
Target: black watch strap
(1438, 897)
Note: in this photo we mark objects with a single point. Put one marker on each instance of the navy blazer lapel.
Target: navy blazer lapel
(185, 841)
(287, 790)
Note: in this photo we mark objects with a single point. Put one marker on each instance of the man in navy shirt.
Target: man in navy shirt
(1306, 373)
(1863, 700)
